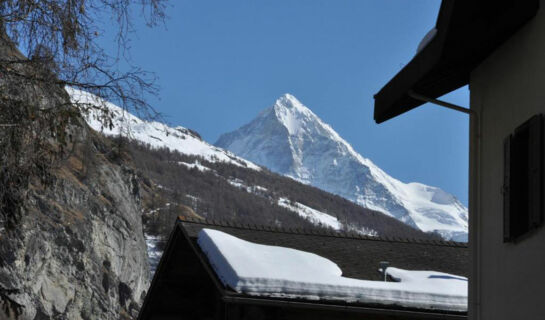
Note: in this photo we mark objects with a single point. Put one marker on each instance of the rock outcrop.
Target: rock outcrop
(71, 241)
(79, 250)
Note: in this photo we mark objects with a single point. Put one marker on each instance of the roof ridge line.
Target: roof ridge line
(315, 232)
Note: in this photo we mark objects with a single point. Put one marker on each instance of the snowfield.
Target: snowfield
(156, 134)
(313, 215)
(271, 271)
(323, 219)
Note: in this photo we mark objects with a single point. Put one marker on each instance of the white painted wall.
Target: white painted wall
(508, 280)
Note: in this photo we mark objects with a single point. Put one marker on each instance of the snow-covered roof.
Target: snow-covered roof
(356, 256)
(280, 272)
(427, 38)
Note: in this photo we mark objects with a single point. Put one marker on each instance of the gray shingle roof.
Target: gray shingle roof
(357, 256)
(185, 283)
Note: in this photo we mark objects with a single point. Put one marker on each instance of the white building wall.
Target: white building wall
(508, 280)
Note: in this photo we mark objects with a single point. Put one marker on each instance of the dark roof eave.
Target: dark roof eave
(388, 101)
(392, 99)
(361, 309)
(467, 32)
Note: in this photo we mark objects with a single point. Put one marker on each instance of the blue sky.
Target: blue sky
(219, 63)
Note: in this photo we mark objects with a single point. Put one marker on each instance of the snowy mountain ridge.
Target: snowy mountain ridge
(290, 139)
(109, 119)
(156, 134)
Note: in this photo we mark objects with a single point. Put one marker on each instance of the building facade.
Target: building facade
(506, 90)
(497, 48)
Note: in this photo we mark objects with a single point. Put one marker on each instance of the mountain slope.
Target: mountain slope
(187, 176)
(290, 139)
(156, 134)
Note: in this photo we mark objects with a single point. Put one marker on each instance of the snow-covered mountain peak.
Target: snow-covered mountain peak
(289, 101)
(292, 114)
(290, 139)
(299, 119)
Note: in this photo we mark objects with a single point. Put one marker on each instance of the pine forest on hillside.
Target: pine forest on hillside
(223, 191)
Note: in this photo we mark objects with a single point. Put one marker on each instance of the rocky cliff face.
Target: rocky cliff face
(79, 250)
(71, 242)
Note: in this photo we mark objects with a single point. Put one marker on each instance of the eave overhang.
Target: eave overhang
(467, 33)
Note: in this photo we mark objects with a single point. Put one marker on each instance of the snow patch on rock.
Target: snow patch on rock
(196, 165)
(316, 217)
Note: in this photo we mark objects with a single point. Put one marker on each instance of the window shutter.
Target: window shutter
(506, 188)
(535, 171)
(523, 175)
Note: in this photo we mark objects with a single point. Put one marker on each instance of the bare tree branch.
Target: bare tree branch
(58, 42)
